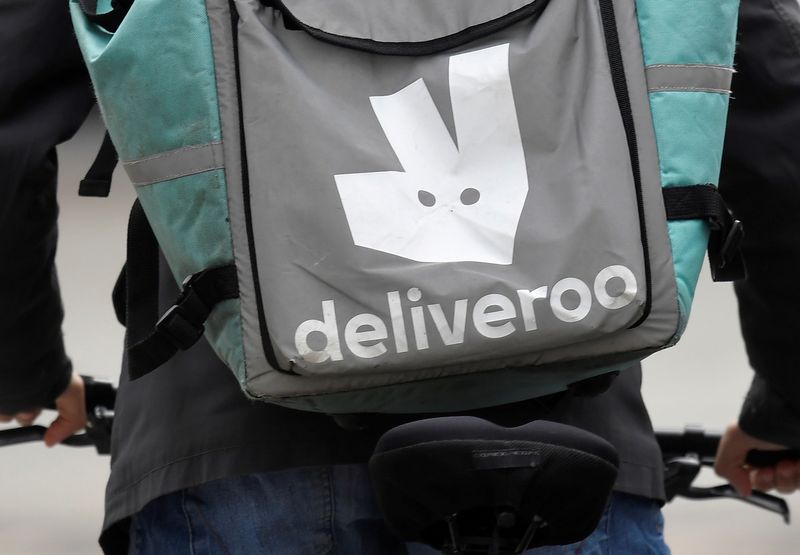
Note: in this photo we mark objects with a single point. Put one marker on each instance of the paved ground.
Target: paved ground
(51, 502)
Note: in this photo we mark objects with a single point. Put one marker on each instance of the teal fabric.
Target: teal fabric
(155, 85)
(689, 241)
(690, 131)
(688, 31)
(154, 77)
(189, 217)
(689, 126)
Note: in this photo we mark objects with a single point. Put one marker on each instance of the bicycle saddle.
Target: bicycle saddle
(458, 481)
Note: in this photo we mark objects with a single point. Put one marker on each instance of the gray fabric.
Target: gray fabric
(219, 17)
(392, 21)
(689, 77)
(174, 164)
(309, 143)
(664, 316)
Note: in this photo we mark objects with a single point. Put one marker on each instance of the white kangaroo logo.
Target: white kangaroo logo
(451, 203)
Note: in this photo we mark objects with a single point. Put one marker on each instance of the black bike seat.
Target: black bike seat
(427, 471)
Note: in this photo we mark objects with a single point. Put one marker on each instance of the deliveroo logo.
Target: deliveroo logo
(451, 203)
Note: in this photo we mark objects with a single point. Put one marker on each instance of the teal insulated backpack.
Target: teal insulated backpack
(418, 206)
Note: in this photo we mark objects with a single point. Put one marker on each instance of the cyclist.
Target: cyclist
(761, 160)
(196, 466)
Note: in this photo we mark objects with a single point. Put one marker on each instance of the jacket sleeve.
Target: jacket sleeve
(761, 183)
(44, 96)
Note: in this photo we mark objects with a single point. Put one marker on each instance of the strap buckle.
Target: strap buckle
(179, 328)
(732, 243)
(184, 323)
(724, 251)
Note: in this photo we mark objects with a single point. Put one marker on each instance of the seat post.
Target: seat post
(530, 533)
(455, 537)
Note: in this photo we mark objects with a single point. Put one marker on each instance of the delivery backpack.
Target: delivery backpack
(417, 206)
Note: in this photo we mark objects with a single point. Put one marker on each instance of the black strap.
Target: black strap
(150, 340)
(97, 182)
(141, 278)
(694, 202)
(705, 202)
(111, 20)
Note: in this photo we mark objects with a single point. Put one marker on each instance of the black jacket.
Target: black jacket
(44, 96)
(761, 182)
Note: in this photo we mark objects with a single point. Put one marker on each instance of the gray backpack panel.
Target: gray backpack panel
(388, 250)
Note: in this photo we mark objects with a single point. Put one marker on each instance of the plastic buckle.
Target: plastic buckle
(179, 328)
(725, 253)
(732, 244)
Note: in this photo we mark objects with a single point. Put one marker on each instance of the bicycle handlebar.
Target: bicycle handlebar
(100, 398)
(687, 451)
(684, 452)
(694, 440)
(36, 433)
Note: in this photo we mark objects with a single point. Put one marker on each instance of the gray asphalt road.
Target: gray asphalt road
(52, 499)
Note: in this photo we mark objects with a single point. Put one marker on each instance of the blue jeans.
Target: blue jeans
(331, 511)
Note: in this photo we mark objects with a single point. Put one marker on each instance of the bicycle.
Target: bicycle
(486, 489)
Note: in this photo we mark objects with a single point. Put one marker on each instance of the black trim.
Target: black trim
(110, 20)
(269, 350)
(693, 202)
(626, 111)
(141, 277)
(97, 182)
(422, 48)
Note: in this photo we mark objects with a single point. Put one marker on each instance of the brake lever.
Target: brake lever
(759, 499)
(679, 474)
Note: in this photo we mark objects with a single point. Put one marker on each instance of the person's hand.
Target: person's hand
(24, 418)
(71, 407)
(730, 464)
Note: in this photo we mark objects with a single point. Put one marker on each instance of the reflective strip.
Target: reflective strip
(689, 77)
(175, 163)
